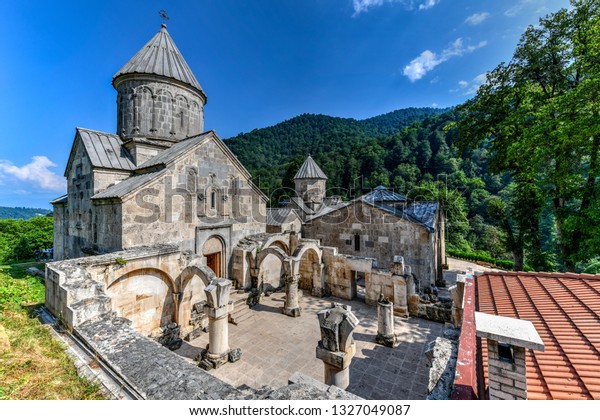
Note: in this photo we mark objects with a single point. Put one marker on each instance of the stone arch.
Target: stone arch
(145, 109)
(309, 271)
(163, 112)
(182, 116)
(281, 245)
(273, 266)
(192, 281)
(146, 297)
(215, 252)
(304, 247)
(196, 118)
(250, 271)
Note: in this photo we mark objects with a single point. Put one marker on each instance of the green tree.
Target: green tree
(453, 206)
(539, 113)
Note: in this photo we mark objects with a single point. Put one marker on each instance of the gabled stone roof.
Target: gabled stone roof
(168, 155)
(161, 57)
(279, 216)
(310, 169)
(129, 185)
(383, 194)
(104, 150)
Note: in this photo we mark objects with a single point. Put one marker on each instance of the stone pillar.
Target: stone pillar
(217, 310)
(385, 322)
(337, 346)
(457, 294)
(507, 342)
(291, 306)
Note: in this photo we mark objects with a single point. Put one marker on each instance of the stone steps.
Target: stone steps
(241, 311)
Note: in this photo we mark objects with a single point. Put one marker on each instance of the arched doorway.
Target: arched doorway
(145, 297)
(193, 280)
(273, 267)
(214, 251)
(310, 271)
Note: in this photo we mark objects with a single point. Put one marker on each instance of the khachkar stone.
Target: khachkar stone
(385, 322)
(337, 346)
(217, 309)
(291, 306)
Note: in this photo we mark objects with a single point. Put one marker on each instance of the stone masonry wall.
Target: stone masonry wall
(381, 236)
(155, 107)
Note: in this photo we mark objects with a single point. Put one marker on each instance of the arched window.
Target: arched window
(213, 199)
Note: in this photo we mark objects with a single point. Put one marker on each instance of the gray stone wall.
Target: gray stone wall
(81, 228)
(381, 236)
(156, 107)
(202, 195)
(310, 190)
(78, 215)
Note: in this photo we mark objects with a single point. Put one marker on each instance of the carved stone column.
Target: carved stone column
(291, 306)
(385, 322)
(217, 310)
(337, 346)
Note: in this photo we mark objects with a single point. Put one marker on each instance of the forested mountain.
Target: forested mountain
(419, 159)
(21, 212)
(516, 168)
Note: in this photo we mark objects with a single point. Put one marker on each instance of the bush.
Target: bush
(484, 256)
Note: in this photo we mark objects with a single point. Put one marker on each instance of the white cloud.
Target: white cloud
(521, 5)
(477, 18)
(470, 88)
(364, 5)
(428, 4)
(36, 173)
(429, 60)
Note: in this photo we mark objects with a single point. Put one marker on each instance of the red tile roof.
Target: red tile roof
(565, 310)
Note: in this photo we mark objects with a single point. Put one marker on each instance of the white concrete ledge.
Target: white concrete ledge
(513, 331)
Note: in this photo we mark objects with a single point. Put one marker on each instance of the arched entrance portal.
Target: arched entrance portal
(214, 251)
(310, 271)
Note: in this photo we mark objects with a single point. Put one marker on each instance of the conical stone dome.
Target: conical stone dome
(158, 95)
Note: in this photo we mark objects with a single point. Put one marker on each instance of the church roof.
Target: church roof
(160, 56)
(279, 216)
(383, 194)
(129, 185)
(105, 150)
(310, 169)
(168, 155)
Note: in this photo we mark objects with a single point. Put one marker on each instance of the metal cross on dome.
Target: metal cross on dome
(163, 14)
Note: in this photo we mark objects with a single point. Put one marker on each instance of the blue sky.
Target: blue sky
(259, 61)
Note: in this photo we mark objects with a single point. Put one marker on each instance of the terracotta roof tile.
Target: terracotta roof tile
(565, 310)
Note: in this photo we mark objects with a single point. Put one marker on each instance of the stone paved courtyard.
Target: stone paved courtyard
(275, 346)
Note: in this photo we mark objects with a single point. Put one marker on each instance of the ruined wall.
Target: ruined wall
(380, 236)
(338, 272)
(150, 286)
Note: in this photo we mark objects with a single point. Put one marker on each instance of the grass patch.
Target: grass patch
(35, 365)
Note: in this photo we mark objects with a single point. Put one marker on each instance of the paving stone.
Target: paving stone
(275, 346)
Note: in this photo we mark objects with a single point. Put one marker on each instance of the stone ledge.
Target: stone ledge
(513, 331)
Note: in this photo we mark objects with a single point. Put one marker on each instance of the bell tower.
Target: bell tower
(159, 100)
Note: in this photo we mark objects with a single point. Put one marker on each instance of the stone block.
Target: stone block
(340, 360)
(235, 355)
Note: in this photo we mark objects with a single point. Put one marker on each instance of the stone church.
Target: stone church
(158, 213)
(161, 178)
